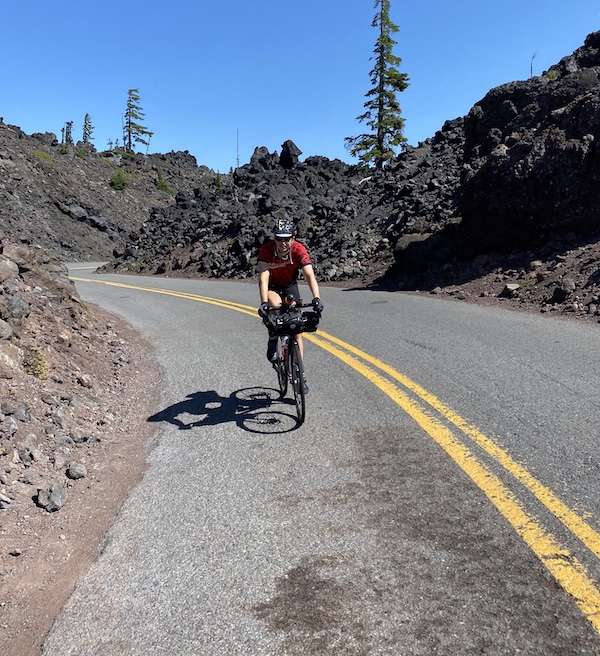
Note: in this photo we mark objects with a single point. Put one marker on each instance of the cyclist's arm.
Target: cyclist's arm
(311, 280)
(263, 281)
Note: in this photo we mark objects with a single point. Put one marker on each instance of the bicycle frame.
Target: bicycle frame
(289, 364)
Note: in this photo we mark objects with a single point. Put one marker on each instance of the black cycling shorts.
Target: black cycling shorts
(291, 289)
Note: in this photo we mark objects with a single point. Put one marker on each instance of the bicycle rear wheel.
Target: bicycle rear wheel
(281, 368)
(296, 367)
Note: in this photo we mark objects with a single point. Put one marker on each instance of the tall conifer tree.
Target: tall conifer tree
(67, 133)
(88, 128)
(133, 131)
(383, 114)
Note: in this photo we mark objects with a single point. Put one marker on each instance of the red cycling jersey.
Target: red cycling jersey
(283, 272)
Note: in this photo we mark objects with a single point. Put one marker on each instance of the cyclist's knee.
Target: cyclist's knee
(274, 299)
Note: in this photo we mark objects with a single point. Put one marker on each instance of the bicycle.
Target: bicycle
(286, 323)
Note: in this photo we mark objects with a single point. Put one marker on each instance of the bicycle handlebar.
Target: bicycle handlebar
(287, 308)
(292, 305)
(283, 308)
(283, 319)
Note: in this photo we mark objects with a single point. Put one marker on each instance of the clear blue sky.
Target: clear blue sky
(218, 77)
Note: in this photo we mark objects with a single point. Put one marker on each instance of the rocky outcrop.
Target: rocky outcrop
(350, 219)
(532, 160)
(527, 200)
(76, 202)
(216, 231)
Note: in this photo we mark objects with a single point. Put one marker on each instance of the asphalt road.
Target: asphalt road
(442, 496)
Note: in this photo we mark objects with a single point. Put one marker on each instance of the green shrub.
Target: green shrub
(44, 156)
(124, 153)
(120, 180)
(161, 183)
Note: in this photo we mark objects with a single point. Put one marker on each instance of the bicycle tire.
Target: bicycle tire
(281, 367)
(296, 368)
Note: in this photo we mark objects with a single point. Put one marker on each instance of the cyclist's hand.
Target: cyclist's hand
(317, 303)
(263, 310)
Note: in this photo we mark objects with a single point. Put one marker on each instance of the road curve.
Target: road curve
(441, 497)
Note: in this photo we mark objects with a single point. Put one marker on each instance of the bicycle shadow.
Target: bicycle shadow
(254, 409)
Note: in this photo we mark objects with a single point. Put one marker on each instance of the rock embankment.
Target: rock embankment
(528, 197)
(532, 164)
(76, 387)
(61, 373)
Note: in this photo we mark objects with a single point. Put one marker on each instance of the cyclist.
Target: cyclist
(279, 264)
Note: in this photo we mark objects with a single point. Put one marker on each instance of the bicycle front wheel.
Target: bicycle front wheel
(281, 367)
(296, 367)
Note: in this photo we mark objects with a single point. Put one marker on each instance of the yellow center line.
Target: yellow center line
(246, 309)
(565, 568)
(577, 525)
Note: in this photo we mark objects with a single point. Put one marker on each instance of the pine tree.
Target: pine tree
(133, 131)
(87, 129)
(383, 114)
(67, 133)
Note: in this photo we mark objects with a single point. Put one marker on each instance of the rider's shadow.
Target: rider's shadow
(249, 408)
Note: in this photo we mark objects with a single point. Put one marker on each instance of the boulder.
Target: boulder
(289, 154)
(53, 495)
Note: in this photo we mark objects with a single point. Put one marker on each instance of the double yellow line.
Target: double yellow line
(433, 416)
(565, 568)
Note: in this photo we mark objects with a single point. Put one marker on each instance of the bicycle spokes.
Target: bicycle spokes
(280, 365)
(296, 367)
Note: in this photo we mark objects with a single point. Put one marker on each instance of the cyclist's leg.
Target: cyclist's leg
(294, 291)
(274, 300)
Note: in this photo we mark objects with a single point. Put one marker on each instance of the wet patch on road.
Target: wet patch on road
(316, 613)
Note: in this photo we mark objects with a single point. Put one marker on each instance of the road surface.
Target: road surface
(442, 496)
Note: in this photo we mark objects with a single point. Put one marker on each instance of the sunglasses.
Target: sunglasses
(285, 240)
